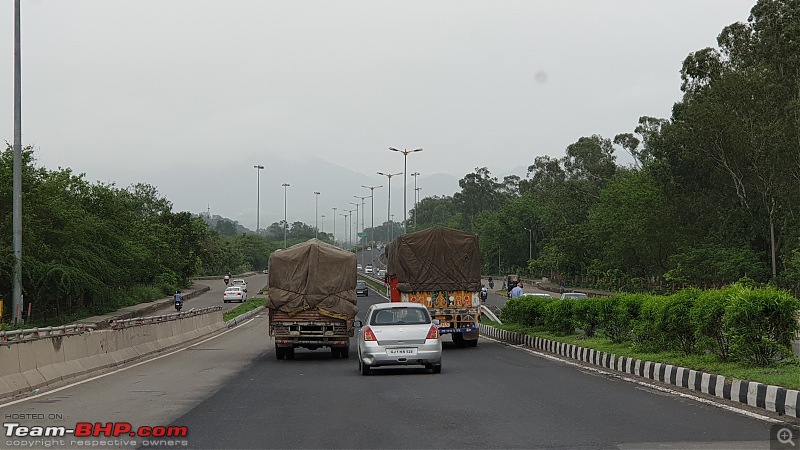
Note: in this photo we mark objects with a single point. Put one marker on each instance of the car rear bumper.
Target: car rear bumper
(374, 355)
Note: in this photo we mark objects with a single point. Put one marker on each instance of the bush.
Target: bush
(526, 310)
(619, 312)
(679, 332)
(648, 329)
(558, 317)
(167, 282)
(708, 315)
(586, 313)
(761, 324)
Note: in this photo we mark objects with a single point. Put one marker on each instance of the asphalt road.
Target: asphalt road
(214, 296)
(231, 393)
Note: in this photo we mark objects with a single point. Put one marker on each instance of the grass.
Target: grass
(249, 305)
(375, 285)
(783, 374)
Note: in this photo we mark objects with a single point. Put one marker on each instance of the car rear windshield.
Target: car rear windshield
(361, 284)
(400, 316)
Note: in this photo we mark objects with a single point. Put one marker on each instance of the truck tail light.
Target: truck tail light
(433, 333)
(369, 335)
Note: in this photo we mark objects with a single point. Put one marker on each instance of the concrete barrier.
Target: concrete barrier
(29, 365)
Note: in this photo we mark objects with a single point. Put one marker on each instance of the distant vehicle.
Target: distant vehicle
(398, 334)
(368, 269)
(381, 273)
(572, 295)
(369, 248)
(538, 294)
(361, 288)
(239, 282)
(265, 271)
(234, 294)
(359, 268)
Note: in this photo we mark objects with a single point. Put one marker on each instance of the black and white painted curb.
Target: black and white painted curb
(772, 398)
(241, 318)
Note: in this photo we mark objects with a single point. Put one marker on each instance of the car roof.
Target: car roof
(235, 288)
(391, 305)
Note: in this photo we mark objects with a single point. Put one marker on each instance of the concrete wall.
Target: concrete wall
(29, 365)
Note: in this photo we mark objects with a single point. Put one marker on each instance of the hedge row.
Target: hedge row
(751, 325)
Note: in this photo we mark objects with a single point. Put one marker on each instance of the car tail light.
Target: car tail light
(433, 333)
(369, 335)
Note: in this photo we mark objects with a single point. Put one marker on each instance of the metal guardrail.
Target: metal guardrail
(136, 321)
(30, 334)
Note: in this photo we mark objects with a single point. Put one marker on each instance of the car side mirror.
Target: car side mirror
(358, 324)
(435, 321)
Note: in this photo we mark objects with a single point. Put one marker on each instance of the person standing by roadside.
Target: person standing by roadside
(516, 291)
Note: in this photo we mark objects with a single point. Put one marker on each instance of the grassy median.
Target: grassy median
(376, 286)
(785, 374)
(249, 305)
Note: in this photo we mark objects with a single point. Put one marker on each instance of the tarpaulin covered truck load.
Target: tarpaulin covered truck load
(312, 298)
(440, 268)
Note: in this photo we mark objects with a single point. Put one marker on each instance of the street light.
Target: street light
(258, 168)
(16, 226)
(323, 225)
(389, 208)
(405, 184)
(350, 226)
(334, 225)
(362, 213)
(416, 194)
(415, 175)
(345, 227)
(372, 208)
(316, 216)
(357, 239)
(285, 223)
(530, 243)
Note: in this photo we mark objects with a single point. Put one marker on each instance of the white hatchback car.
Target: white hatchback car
(399, 334)
(234, 294)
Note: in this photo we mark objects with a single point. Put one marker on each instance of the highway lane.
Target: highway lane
(232, 393)
(214, 296)
(492, 396)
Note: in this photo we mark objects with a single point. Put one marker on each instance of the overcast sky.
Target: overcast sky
(200, 91)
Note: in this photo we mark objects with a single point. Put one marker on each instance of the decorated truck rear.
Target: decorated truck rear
(312, 298)
(440, 268)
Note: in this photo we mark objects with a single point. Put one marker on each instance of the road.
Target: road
(231, 392)
(214, 296)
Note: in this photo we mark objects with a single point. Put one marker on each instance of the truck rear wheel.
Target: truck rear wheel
(458, 339)
(280, 352)
(472, 343)
(289, 352)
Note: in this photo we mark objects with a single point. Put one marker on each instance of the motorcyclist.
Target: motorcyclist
(227, 278)
(178, 300)
(491, 283)
(484, 293)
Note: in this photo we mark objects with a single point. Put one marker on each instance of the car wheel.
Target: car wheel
(437, 369)
(280, 352)
(224, 301)
(363, 367)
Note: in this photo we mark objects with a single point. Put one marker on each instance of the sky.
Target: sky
(189, 95)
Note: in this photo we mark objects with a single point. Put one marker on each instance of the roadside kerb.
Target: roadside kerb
(29, 365)
(241, 317)
(771, 398)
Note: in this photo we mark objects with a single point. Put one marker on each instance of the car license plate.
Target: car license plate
(401, 351)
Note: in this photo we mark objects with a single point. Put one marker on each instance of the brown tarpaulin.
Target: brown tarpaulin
(313, 275)
(436, 259)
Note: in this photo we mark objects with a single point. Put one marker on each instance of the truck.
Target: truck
(312, 298)
(440, 268)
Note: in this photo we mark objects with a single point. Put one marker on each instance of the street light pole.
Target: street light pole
(415, 175)
(530, 243)
(285, 223)
(363, 230)
(323, 224)
(345, 228)
(16, 296)
(334, 225)
(405, 183)
(357, 238)
(372, 208)
(316, 215)
(389, 207)
(258, 168)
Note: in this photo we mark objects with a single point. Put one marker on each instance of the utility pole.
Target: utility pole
(405, 183)
(416, 191)
(258, 168)
(389, 205)
(17, 182)
(316, 215)
(334, 225)
(285, 223)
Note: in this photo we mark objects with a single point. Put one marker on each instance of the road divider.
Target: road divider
(771, 398)
(34, 364)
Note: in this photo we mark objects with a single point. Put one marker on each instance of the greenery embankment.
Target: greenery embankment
(249, 305)
(739, 331)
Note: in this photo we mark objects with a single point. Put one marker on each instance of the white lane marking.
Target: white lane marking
(734, 409)
(3, 405)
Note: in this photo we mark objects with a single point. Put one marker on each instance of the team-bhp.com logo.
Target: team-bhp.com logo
(97, 429)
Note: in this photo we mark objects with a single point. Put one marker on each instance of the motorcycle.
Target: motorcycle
(491, 284)
(484, 295)
(178, 304)
(227, 279)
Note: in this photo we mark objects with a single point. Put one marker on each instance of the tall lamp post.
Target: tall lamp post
(334, 225)
(316, 215)
(415, 175)
(416, 194)
(258, 168)
(362, 213)
(285, 223)
(372, 208)
(389, 208)
(405, 184)
(345, 228)
(323, 224)
(16, 299)
(530, 243)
